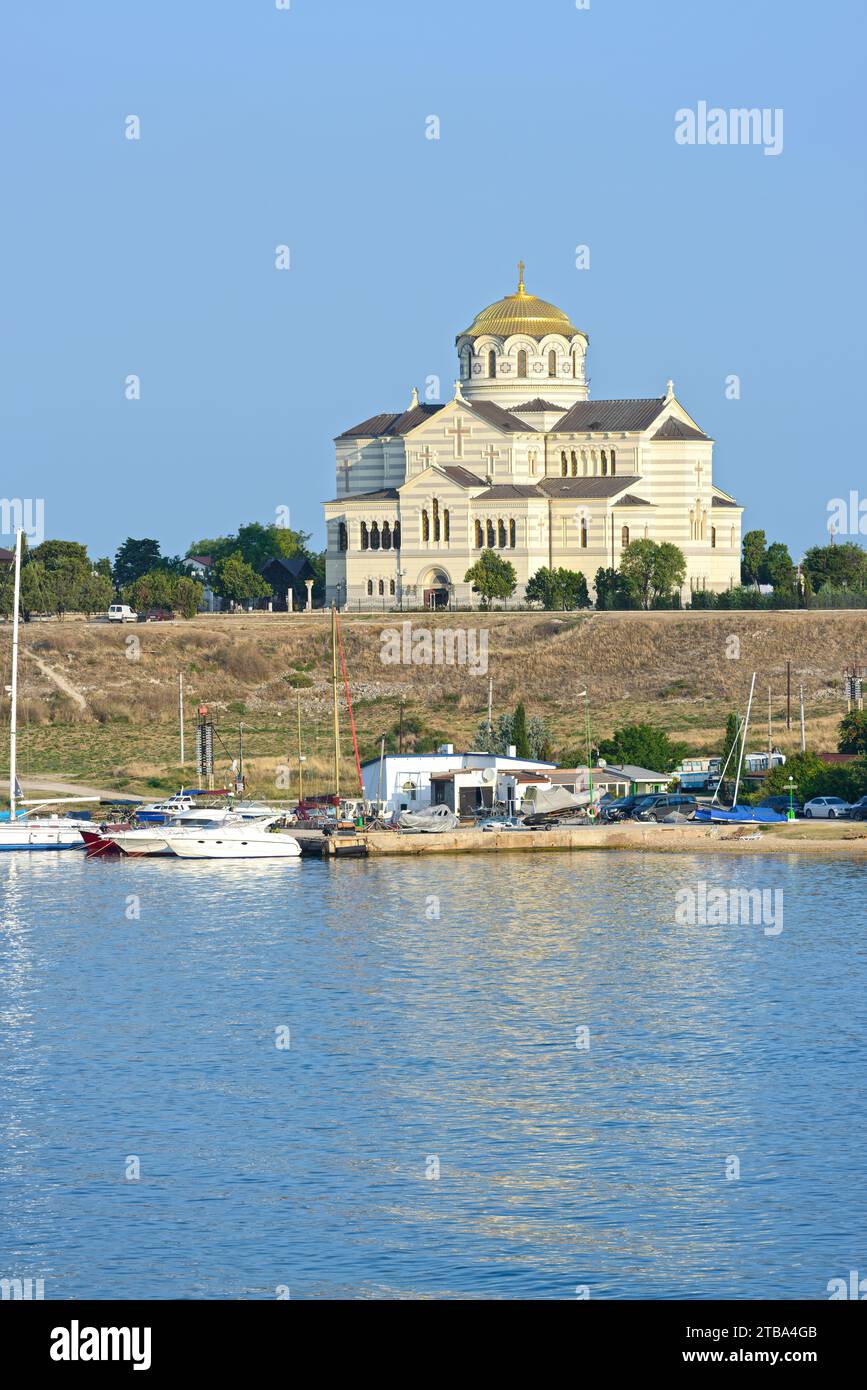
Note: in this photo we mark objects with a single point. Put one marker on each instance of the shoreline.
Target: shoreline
(798, 838)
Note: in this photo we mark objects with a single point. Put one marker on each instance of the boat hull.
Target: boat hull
(274, 846)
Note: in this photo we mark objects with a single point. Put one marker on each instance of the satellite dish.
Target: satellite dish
(489, 774)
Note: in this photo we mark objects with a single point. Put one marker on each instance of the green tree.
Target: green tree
(133, 559)
(652, 571)
(236, 581)
(103, 567)
(842, 566)
(558, 589)
(156, 589)
(643, 745)
(189, 595)
(852, 732)
(755, 547)
(779, 569)
(731, 740)
(492, 577)
(612, 591)
(519, 732)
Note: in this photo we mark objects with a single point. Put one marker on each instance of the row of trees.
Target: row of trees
(650, 576)
(58, 577)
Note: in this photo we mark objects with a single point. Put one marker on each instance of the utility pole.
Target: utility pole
(803, 731)
(490, 703)
(788, 697)
(334, 703)
(300, 759)
(400, 731)
(770, 734)
(181, 712)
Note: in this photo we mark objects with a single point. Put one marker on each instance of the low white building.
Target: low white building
(464, 781)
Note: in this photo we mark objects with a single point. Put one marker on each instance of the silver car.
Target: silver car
(828, 806)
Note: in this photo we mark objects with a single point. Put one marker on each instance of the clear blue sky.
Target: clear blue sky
(307, 127)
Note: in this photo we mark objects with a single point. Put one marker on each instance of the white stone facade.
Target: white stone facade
(521, 460)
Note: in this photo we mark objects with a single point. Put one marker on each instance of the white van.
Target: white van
(121, 613)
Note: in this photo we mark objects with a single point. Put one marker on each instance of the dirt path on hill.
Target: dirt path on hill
(60, 681)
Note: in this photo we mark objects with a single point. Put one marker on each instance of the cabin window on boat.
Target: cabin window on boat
(386, 536)
(342, 538)
(425, 525)
(365, 540)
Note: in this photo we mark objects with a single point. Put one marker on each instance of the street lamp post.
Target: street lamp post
(792, 785)
(589, 759)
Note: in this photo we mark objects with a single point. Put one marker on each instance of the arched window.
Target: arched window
(574, 363)
(522, 363)
(370, 586)
(382, 586)
(492, 363)
(583, 533)
(574, 458)
(365, 541)
(386, 536)
(512, 536)
(395, 536)
(480, 540)
(342, 537)
(425, 525)
(564, 466)
(489, 527)
(613, 463)
(552, 363)
(584, 462)
(713, 538)
(604, 464)
(501, 534)
(624, 535)
(446, 527)
(465, 364)
(436, 519)
(374, 536)
(391, 586)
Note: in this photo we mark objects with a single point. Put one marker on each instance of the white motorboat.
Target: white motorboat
(253, 841)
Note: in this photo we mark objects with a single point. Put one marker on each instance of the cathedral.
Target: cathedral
(523, 462)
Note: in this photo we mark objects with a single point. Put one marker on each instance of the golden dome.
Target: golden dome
(521, 313)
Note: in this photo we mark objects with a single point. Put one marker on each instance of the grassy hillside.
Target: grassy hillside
(97, 707)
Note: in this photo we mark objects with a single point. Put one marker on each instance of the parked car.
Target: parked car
(829, 806)
(121, 613)
(858, 809)
(156, 615)
(620, 808)
(781, 804)
(659, 805)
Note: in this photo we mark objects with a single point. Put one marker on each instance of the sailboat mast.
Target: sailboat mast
(334, 701)
(744, 741)
(13, 718)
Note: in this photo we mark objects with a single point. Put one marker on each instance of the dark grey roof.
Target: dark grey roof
(535, 404)
(505, 490)
(723, 502)
(676, 429)
(386, 494)
(496, 415)
(630, 500)
(388, 424)
(586, 487)
(296, 566)
(462, 476)
(611, 415)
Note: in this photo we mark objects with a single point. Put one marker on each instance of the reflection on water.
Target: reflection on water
(433, 1007)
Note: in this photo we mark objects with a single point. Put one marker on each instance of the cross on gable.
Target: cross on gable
(457, 431)
(489, 453)
(426, 455)
(699, 469)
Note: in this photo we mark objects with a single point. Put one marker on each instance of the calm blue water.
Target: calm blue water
(411, 1038)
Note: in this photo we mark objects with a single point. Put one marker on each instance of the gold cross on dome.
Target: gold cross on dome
(521, 269)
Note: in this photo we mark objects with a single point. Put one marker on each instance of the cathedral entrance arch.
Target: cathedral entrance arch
(436, 588)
